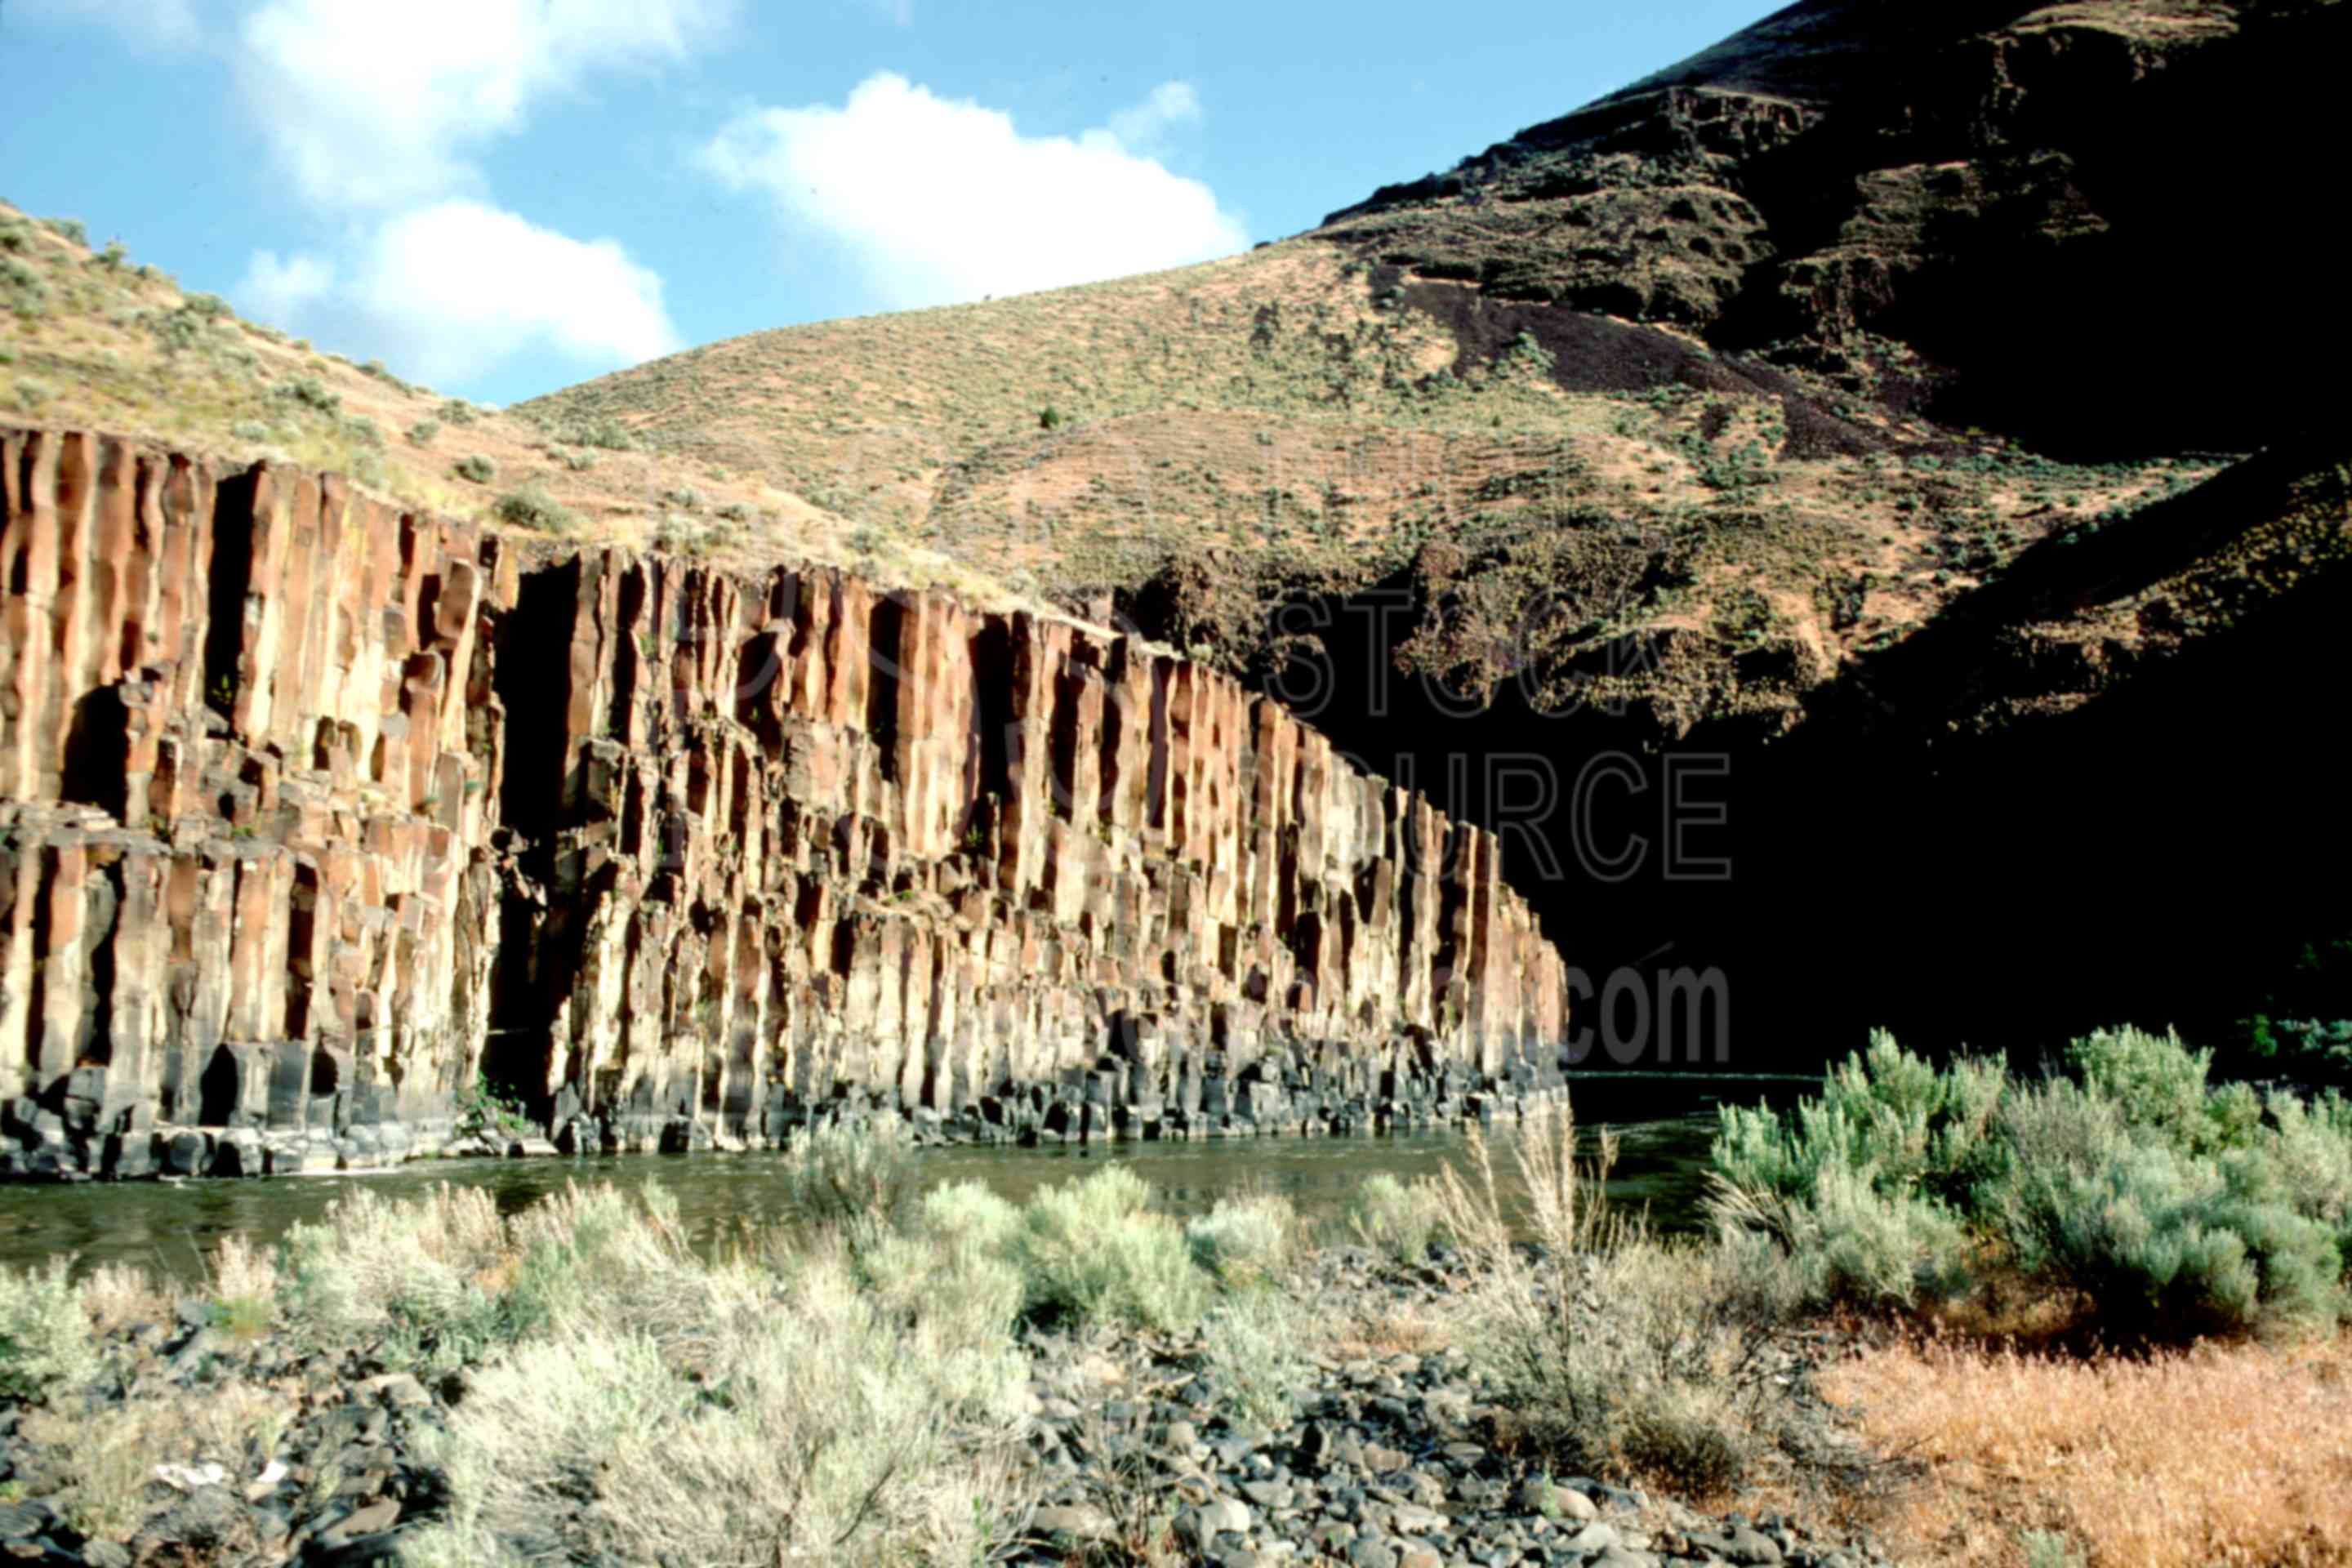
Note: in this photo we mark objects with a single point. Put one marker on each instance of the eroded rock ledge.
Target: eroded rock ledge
(315, 814)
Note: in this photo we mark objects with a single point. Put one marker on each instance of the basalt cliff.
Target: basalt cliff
(319, 812)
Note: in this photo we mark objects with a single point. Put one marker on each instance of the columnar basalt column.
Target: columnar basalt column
(318, 813)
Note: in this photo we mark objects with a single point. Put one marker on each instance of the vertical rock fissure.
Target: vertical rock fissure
(229, 580)
(533, 677)
(884, 633)
(991, 670)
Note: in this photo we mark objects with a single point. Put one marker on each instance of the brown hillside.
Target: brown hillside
(1185, 451)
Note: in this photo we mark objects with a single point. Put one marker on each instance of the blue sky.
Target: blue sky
(505, 197)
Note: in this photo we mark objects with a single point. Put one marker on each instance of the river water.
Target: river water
(1664, 1123)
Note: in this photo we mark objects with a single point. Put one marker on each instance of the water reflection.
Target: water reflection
(1663, 1124)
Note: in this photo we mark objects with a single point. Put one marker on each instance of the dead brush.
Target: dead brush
(2229, 1454)
(120, 1295)
(1618, 1352)
(1136, 1500)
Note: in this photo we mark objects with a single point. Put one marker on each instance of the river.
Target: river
(1663, 1122)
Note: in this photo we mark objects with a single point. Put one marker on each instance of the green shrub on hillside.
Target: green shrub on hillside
(609, 433)
(532, 507)
(308, 392)
(475, 468)
(22, 288)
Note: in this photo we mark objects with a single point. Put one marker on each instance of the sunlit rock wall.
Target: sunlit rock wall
(314, 815)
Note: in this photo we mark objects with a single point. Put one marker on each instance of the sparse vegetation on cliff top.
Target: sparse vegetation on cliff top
(120, 348)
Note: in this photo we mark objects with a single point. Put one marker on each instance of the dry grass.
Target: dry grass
(2235, 1455)
(1615, 1353)
(119, 1295)
(1375, 1324)
(110, 1453)
(1563, 1210)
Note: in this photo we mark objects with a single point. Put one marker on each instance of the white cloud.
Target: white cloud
(943, 200)
(447, 292)
(275, 290)
(374, 111)
(144, 23)
(1145, 126)
(375, 105)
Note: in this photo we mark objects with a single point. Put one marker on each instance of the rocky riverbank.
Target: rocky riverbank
(1387, 1457)
(40, 1144)
(1082, 1378)
(1380, 1447)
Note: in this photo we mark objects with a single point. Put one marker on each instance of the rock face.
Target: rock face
(315, 813)
(1937, 203)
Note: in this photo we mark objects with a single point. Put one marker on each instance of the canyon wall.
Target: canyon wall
(317, 814)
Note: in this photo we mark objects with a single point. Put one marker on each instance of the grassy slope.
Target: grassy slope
(90, 339)
(1288, 419)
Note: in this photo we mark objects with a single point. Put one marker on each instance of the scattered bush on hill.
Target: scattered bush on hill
(308, 392)
(532, 507)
